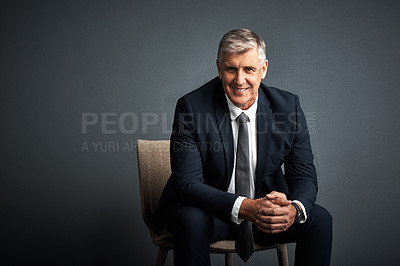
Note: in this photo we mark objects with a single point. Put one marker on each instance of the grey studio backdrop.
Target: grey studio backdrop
(81, 81)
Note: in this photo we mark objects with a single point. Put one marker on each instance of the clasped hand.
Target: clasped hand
(271, 214)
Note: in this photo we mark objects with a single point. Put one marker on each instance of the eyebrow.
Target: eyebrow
(246, 66)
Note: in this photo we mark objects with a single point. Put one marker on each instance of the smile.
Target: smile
(239, 89)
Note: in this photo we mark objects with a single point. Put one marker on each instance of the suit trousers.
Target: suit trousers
(194, 230)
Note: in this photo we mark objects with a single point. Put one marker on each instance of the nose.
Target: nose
(240, 77)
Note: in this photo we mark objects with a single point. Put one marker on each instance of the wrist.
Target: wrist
(299, 212)
(248, 209)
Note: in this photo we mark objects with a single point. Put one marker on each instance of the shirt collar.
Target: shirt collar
(235, 111)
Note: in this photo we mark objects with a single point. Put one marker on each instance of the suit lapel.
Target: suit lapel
(264, 120)
(225, 130)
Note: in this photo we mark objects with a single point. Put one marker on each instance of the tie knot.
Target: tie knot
(242, 118)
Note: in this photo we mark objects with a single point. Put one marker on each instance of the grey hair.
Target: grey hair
(240, 41)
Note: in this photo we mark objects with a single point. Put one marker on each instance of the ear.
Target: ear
(264, 69)
(219, 69)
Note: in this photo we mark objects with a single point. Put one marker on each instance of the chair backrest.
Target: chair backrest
(154, 170)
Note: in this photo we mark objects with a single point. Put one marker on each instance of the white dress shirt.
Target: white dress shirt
(252, 133)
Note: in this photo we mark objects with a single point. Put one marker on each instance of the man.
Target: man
(229, 141)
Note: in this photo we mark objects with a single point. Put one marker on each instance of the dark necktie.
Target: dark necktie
(244, 245)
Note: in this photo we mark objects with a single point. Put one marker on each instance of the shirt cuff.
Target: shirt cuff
(303, 209)
(235, 210)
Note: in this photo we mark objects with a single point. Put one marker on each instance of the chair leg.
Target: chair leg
(161, 256)
(228, 259)
(283, 259)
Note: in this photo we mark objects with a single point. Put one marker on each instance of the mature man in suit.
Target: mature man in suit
(229, 141)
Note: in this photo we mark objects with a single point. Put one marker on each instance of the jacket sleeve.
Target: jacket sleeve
(187, 165)
(300, 173)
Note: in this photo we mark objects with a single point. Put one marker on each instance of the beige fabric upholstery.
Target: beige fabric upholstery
(154, 171)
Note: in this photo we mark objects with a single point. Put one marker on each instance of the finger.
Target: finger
(273, 194)
(273, 223)
(274, 211)
(278, 198)
(267, 231)
(272, 231)
(268, 204)
(281, 202)
(276, 194)
(273, 219)
(273, 228)
(268, 226)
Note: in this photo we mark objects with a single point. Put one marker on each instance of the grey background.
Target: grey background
(61, 59)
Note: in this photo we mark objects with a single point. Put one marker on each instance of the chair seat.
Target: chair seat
(166, 240)
(229, 246)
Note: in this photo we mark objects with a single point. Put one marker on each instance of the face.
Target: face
(241, 75)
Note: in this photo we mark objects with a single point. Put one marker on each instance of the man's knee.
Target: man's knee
(191, 221)
(321, 217)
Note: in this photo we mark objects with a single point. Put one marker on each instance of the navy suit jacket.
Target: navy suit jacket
(202, 152)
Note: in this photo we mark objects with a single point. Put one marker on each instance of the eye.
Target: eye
(231, 69)
(250, 69)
